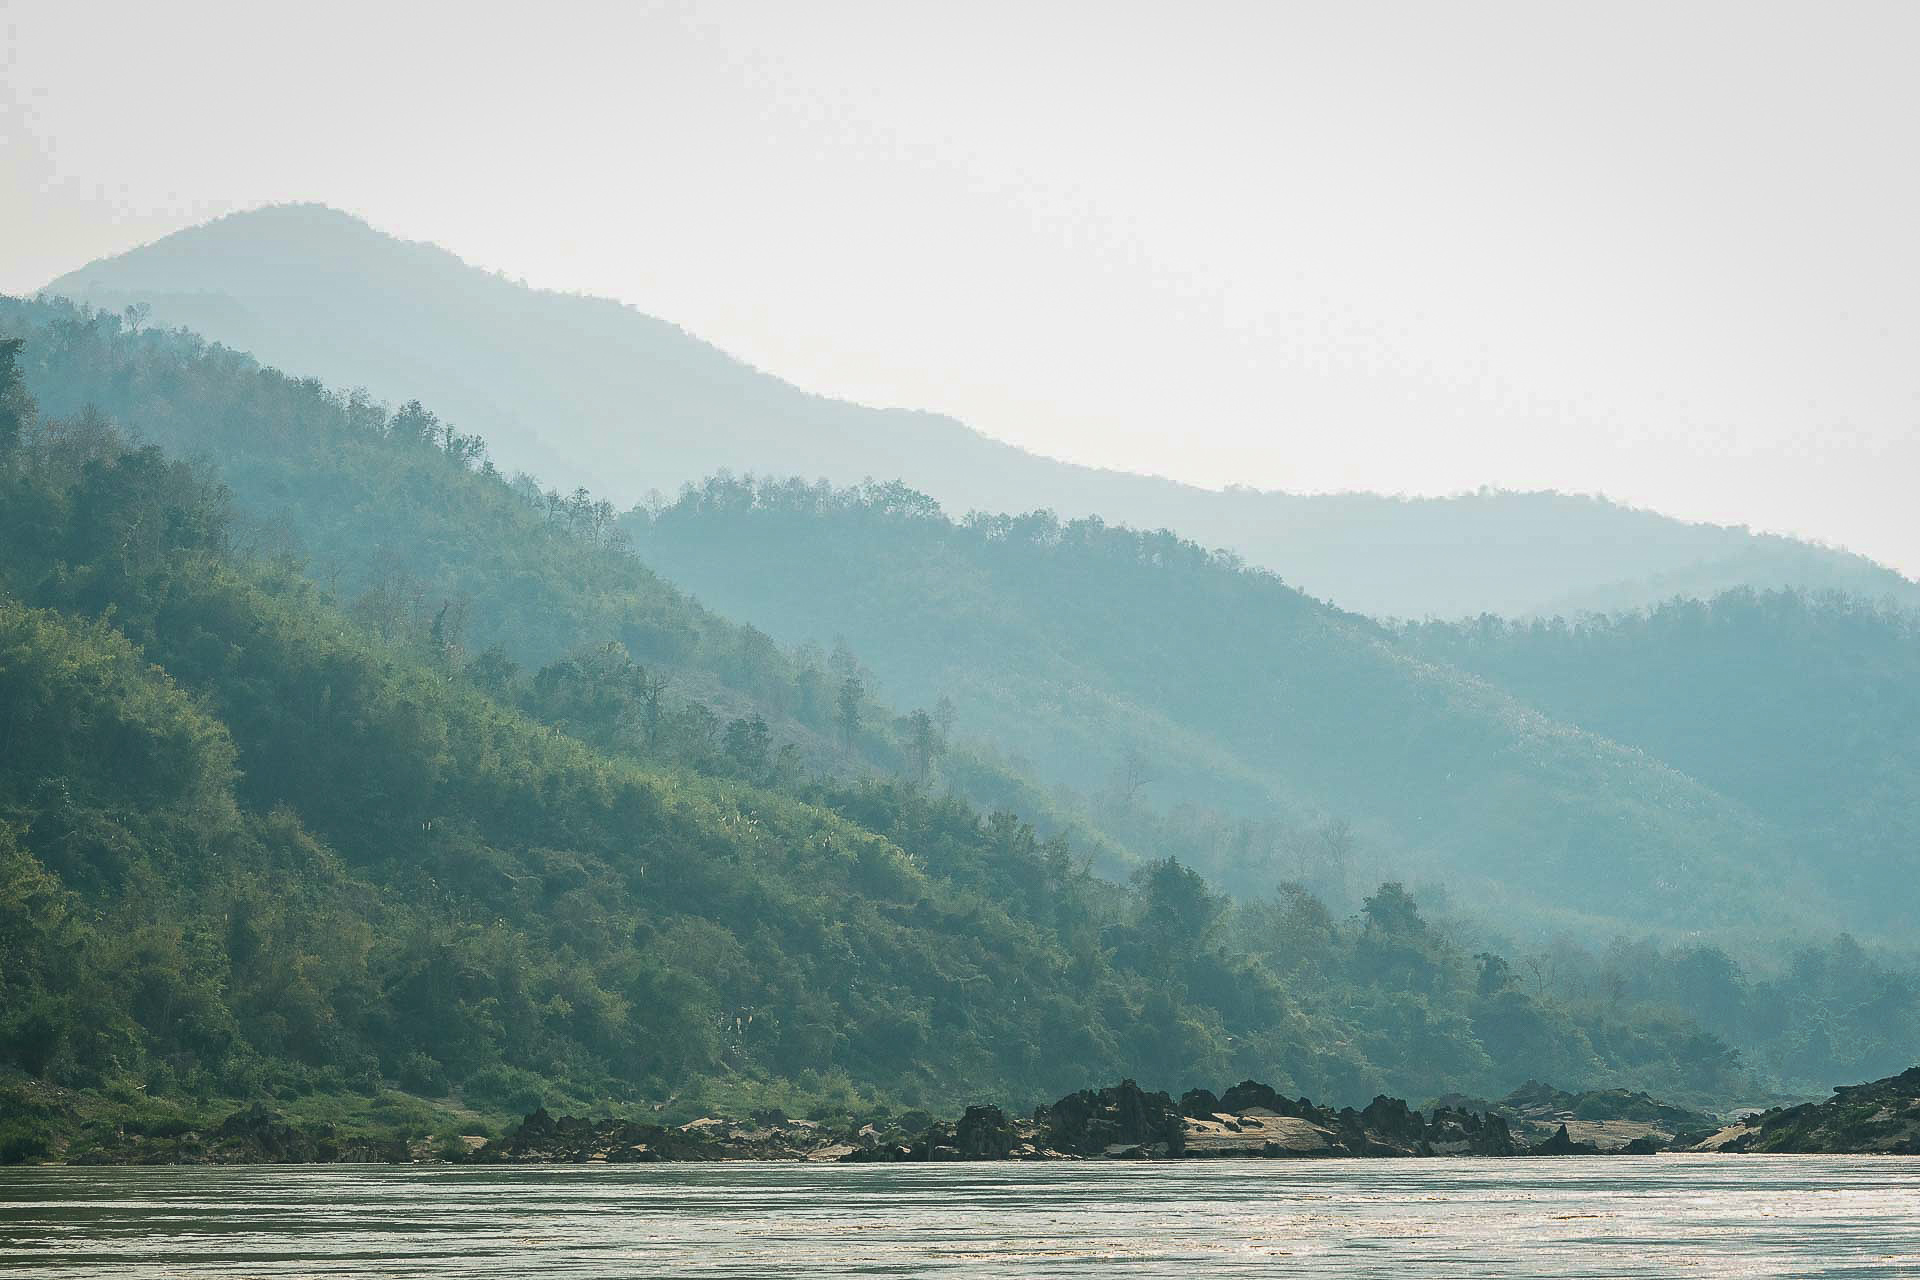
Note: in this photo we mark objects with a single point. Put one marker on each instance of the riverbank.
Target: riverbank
(1120, 1122)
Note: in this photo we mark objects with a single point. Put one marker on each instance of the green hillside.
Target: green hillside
(1804, 708)
(409, 525)
(1085, 647)
(1185, 705)
(583, 390)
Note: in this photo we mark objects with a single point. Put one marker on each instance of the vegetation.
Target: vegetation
(260, 840)
(1881, 1117)
(1141, 671)
(1804, 709)
(426, 544)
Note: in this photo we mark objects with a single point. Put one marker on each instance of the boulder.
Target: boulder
(1199, 1104)
(1121, 1116)
(1560, 1144)
(984, 1133)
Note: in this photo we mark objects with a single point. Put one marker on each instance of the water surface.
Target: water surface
(1621, 1216)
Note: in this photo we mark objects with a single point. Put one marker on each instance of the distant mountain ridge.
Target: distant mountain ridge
(1083, 648)
(588, 391)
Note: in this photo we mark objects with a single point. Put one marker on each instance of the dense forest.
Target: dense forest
(431, 545)
(1088, 649)
(586, 391)
(1804, 708)
(402, 845)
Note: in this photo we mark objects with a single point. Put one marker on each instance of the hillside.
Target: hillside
(254, 848)
(582, 390)
(425, 542)
(1805, 709)
(1088, 649)
(1028, 629)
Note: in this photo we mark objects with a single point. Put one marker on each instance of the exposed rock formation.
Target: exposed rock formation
(1610, 1120)
(1880, 1118)
(1250, 1119)
(542, 1138)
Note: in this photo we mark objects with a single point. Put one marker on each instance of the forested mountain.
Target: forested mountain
(585, 391)
(1265, 718)
(409, 524)
(1804, 708)
(1142, 666)
(261, 837)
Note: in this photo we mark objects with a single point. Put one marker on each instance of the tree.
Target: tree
(1134, 775)
(494, 671)
(847, 708)
(1496, 975)
(748, 744)
(923, 743)
(1178, 910)
(1392, 910)
(15, 408)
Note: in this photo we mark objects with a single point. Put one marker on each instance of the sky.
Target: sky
(1661, 251)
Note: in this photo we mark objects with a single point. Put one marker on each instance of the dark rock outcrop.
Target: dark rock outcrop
(1878, 1118)
(1198, 1104)
(542, 1138)
(1121, 1120)
(1251, 1093)
(1560, 1144)
(984, 1133)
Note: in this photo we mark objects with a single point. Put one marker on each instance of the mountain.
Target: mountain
(1805, 709)
(585, 391)
(1131, 692)
(427, 544)
(265, 839)
(1147, 672)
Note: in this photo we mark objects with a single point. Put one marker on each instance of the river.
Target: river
(1572, 1216)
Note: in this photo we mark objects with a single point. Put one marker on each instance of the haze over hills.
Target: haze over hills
(1265, 716)
(587, 391)
(1639, 786)
(1804, 708)
(276, 826)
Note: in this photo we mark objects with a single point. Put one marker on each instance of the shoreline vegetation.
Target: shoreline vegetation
(1121, 1122)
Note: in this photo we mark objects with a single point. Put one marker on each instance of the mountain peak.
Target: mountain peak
(584, 391)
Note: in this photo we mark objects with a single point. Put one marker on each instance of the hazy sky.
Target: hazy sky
(1669, 252)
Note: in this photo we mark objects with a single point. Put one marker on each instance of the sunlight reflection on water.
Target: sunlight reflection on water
(1620, 1216)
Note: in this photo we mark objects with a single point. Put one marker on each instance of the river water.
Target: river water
(1589, 1217)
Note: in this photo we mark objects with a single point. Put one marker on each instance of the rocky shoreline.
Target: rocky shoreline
(1121, 1122)
(1880, 1118)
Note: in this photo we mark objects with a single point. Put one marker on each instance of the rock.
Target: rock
(835, 1153)
(1260, 1133)
(1455, 1132)
(1562, 1145)
(1089, 1123)
(984, 1134)
(1199, 1104)
(1251, 1093)
(1881, 1117)
(1606, 1118)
